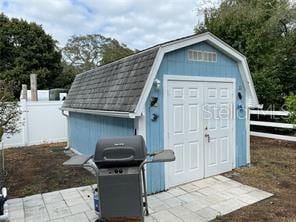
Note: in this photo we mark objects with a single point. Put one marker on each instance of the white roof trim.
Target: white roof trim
(101, 112)
(252, 100)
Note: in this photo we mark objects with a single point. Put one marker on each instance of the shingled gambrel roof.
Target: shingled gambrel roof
(116, 86)
(121, 88)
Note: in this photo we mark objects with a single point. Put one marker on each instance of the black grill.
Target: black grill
(118, 163)
(120, 152)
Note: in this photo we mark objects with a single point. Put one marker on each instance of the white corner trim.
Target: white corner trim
(234, 124)
(248, 136)
(165, 129)
(216, 42)
(140, 123)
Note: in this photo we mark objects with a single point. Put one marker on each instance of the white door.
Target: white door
(185, 131)
(199, 129)
(218, 127)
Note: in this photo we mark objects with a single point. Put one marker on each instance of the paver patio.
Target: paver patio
(201, 200)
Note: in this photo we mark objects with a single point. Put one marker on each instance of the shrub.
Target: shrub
(290, 102)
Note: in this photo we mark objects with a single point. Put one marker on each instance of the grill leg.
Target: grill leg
(145, 192)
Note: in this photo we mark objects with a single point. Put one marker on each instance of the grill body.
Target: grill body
(119, 176)
(120, 194)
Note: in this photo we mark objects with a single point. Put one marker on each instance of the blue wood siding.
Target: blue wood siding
(86, 129)
(176, 63)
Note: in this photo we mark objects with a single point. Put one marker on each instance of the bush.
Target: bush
(290, 102)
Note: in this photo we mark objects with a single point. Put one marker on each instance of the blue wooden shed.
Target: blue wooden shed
(191, 95)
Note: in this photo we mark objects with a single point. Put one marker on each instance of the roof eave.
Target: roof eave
(171, 46)
(101, 112)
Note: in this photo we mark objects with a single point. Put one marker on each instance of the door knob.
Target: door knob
(208, 136)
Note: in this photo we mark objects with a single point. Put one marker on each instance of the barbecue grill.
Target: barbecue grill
(119, 166)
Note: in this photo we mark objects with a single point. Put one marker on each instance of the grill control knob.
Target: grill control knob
(120, 171)
(116, 171)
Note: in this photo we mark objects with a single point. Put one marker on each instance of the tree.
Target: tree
(66, 77)
(89, 51)
(84, 52)
(264, 31)
(9, 110)
(113, 51)
(24, 49)
(283, 62)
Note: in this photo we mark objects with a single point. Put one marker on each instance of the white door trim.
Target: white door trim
(166, 79)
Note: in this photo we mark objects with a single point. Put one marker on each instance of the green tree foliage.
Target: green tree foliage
(84, 52)
(24, 49)
(65, 79)
(290, 102)
(265, 32)
(89, 51)
(113, 51)
(9, 109)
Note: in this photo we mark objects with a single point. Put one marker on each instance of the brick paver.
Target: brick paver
(201, 200)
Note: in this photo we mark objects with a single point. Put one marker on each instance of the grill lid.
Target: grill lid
(120, 151)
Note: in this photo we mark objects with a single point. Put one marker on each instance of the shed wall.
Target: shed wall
(176, 63)
(86, 129)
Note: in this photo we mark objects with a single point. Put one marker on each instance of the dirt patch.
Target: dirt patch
(39, 169)
(273, 169)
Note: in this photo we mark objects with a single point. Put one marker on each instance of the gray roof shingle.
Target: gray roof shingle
(116, 86)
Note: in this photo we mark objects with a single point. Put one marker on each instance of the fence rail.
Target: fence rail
(270, 113)
(274, 136)
(272, 124)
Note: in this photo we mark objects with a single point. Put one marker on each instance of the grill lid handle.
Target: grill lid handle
(119, 159)
(118, 154)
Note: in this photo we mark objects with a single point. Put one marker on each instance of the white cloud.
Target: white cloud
(138, 23)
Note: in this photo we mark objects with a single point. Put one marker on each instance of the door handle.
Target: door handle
(208, 136)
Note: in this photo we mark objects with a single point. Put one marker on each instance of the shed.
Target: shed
(191, 95)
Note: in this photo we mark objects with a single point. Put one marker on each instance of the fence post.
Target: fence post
(24, 118)
(24, 94)
(34, 92)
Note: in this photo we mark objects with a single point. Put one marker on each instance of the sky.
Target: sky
(137, 23)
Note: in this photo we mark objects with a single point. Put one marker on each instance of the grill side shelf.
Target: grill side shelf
(78, 160)
(163, 156)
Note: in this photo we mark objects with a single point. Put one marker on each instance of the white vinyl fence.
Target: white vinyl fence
(272, 124)
(41, 122)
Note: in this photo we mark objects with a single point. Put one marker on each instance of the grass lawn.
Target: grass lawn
(39, 169)
(274, 170)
